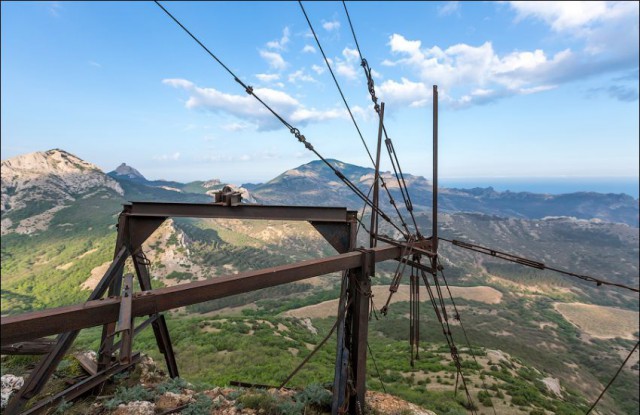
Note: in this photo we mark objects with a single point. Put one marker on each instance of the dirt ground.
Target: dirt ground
(599, 321)
(381, 292)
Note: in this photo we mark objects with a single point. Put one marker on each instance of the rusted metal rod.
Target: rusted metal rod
(36, 324)
(435, 170)
(373, 229)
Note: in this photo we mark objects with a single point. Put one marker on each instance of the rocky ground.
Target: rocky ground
(149, 391)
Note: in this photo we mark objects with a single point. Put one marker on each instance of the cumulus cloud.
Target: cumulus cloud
(274, 59)
(282, 42)
(605, 26)
(606, 35)
(318, 69)
(308, 49)
(450, 7)
(300, 75)
(268, 77)
(247, 107)
(572, 15)
(347, 66)
(236, 126)
(415, 94)
(331, 26)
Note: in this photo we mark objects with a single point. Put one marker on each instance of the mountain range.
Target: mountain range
(35, 186)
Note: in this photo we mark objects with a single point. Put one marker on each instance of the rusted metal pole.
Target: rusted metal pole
(373, 230)
(360, 285)
(341, 374)
(435, 169)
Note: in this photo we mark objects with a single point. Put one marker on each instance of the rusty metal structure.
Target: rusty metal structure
(115, 305)
(117, 310)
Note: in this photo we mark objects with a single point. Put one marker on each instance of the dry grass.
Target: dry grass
(381, 292)
(599, 321)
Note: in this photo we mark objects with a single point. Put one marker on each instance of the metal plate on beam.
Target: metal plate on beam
(244, 211)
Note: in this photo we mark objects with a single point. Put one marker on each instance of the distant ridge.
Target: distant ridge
(57, 174)
(128, 171)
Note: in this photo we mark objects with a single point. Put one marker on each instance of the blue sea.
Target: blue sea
(549, 185)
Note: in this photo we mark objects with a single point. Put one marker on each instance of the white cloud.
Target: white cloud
(318, 69)
(268, 77)
(477, 74)
(308, 49)
(167, 157)
(376, 74)
(609, 28)
(405, 92)
(331, 26)
(247, 107)
(282, 42)
(300, 75)
(351, 54)
(450, 7)
(274, 59)
(348, 65)
(236, 126)
(94, 64)
(567, 15)
(347, 70)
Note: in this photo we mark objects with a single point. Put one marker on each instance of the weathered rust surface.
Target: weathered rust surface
(93, 313)
(244, 211)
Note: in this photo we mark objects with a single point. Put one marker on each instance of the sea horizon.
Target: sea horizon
(548, 185)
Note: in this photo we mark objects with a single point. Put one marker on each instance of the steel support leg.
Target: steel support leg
(159, 325)
(48, 364)
(360, 292)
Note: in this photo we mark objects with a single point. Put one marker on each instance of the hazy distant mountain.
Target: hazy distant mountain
(127, 171)
(315, 184)
(35, 186)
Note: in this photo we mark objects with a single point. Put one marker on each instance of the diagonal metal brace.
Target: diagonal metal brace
(125, 319)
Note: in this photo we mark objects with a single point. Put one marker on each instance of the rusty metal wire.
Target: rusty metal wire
(293, 130)
(533, 264)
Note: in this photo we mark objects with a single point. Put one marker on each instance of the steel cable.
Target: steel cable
(533, 264)
(371, 86)
(292, 129)
(335, 80)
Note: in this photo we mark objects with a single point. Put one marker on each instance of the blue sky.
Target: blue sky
(527, 89)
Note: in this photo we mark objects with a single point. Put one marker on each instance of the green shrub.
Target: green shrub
(201, 406)
(125, 395)
(175, 385)
(260, 401)
(315, 396)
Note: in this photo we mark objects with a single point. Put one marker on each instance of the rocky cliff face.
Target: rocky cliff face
(34, 186)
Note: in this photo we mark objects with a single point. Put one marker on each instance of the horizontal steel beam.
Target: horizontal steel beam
(244, 211)
(33, 347)
(93, 313)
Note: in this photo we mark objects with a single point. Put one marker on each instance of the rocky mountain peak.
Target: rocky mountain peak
(56, 161)
(41, 183)
(128, 171)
